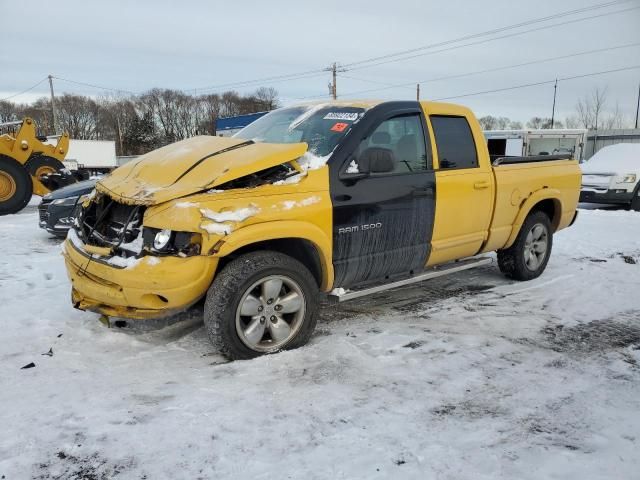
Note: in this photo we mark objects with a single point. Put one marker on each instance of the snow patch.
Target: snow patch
(72, 236)
(239, 215)
(621, 159)
(134, 245)
(152, 260)
(218, 228)
(289, 204)
(307, 162)
(128, 262)
(187, 204)
(338, 291)
(353, 167)
(219, 219)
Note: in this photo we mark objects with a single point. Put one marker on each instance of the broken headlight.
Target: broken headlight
(162, 239)
(167, 242)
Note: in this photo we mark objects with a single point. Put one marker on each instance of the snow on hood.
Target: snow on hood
(619, 159)
(191, 166)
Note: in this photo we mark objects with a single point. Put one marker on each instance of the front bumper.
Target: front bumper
(606, 196)
(55, 219)
(148, 289)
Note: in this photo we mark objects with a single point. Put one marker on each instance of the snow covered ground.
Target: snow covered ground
(471, 376)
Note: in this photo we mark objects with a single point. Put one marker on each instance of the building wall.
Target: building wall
(601, 138)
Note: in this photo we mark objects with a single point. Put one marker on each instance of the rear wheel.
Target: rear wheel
(527, 258)
(635, 201)
(42, 168)
(261, 302)
(15, 186)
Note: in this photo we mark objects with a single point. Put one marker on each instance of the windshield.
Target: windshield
(320, 126)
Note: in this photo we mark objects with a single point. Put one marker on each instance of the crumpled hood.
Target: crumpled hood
(191, 166)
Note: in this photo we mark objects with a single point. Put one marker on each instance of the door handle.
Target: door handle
(481, 185)
(342, 198)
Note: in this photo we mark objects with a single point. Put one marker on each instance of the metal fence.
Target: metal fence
(596, 139)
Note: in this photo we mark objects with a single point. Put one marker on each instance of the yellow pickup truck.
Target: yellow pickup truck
(345, 198)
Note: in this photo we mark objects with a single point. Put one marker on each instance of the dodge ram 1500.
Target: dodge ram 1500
(345, 198)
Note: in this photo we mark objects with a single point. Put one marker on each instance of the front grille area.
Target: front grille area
(43, 214)
(107, 223)
(43, 210)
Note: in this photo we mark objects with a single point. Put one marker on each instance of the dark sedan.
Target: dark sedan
(57, 208)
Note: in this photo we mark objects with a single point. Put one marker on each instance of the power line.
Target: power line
(392, 57)
(487, 40)
(25, 91)
(496, 69)
(273, 79)
(119, 90)
(362, 63)
(376, 82)
(490, 32)
(534, 84)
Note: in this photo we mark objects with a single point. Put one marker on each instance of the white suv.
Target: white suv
(612, 176)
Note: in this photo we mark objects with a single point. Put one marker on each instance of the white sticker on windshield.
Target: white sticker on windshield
(348, 116)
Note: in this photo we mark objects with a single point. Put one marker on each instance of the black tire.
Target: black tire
(37, 162)
(635, 201)
(16, 187)
(56, 176)
(229, 288)
(513, 260)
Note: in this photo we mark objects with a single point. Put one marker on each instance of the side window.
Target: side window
(454, 140)
(403, 135)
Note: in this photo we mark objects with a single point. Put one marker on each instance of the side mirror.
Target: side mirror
(377, 160)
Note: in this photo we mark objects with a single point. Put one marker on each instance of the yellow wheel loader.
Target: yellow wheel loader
(28, 166)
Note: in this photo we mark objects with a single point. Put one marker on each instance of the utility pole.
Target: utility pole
(418, 92)
(638, 105)
(553, 110)
(119, 134)
(334, 89)
(53, 105)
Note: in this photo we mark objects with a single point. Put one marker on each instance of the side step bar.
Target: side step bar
(437, 271)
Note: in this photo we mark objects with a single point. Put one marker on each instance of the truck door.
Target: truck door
(382, 221)
(465, 190)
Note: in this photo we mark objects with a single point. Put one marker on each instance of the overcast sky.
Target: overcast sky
(186, 45)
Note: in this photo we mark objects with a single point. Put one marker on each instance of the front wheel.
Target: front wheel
(527, 258)
(261, 302)
(16, 186)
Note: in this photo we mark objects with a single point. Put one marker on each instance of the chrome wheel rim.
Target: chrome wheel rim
(270, 313)
(535, 247)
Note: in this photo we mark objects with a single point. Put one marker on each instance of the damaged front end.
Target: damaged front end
(114, 231)
(145, 242)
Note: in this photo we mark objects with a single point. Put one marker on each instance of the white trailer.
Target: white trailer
(514, 143)
(91, 156)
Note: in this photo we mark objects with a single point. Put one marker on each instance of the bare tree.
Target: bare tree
(140, 123)
(589, 109)
(488, 122)
(614, 119)
(572, 122)
(537, 122)
(8, 112)
(267, 97)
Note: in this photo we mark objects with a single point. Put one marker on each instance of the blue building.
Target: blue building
(226, 127)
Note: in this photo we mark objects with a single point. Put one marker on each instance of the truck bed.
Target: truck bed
(518, 179)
